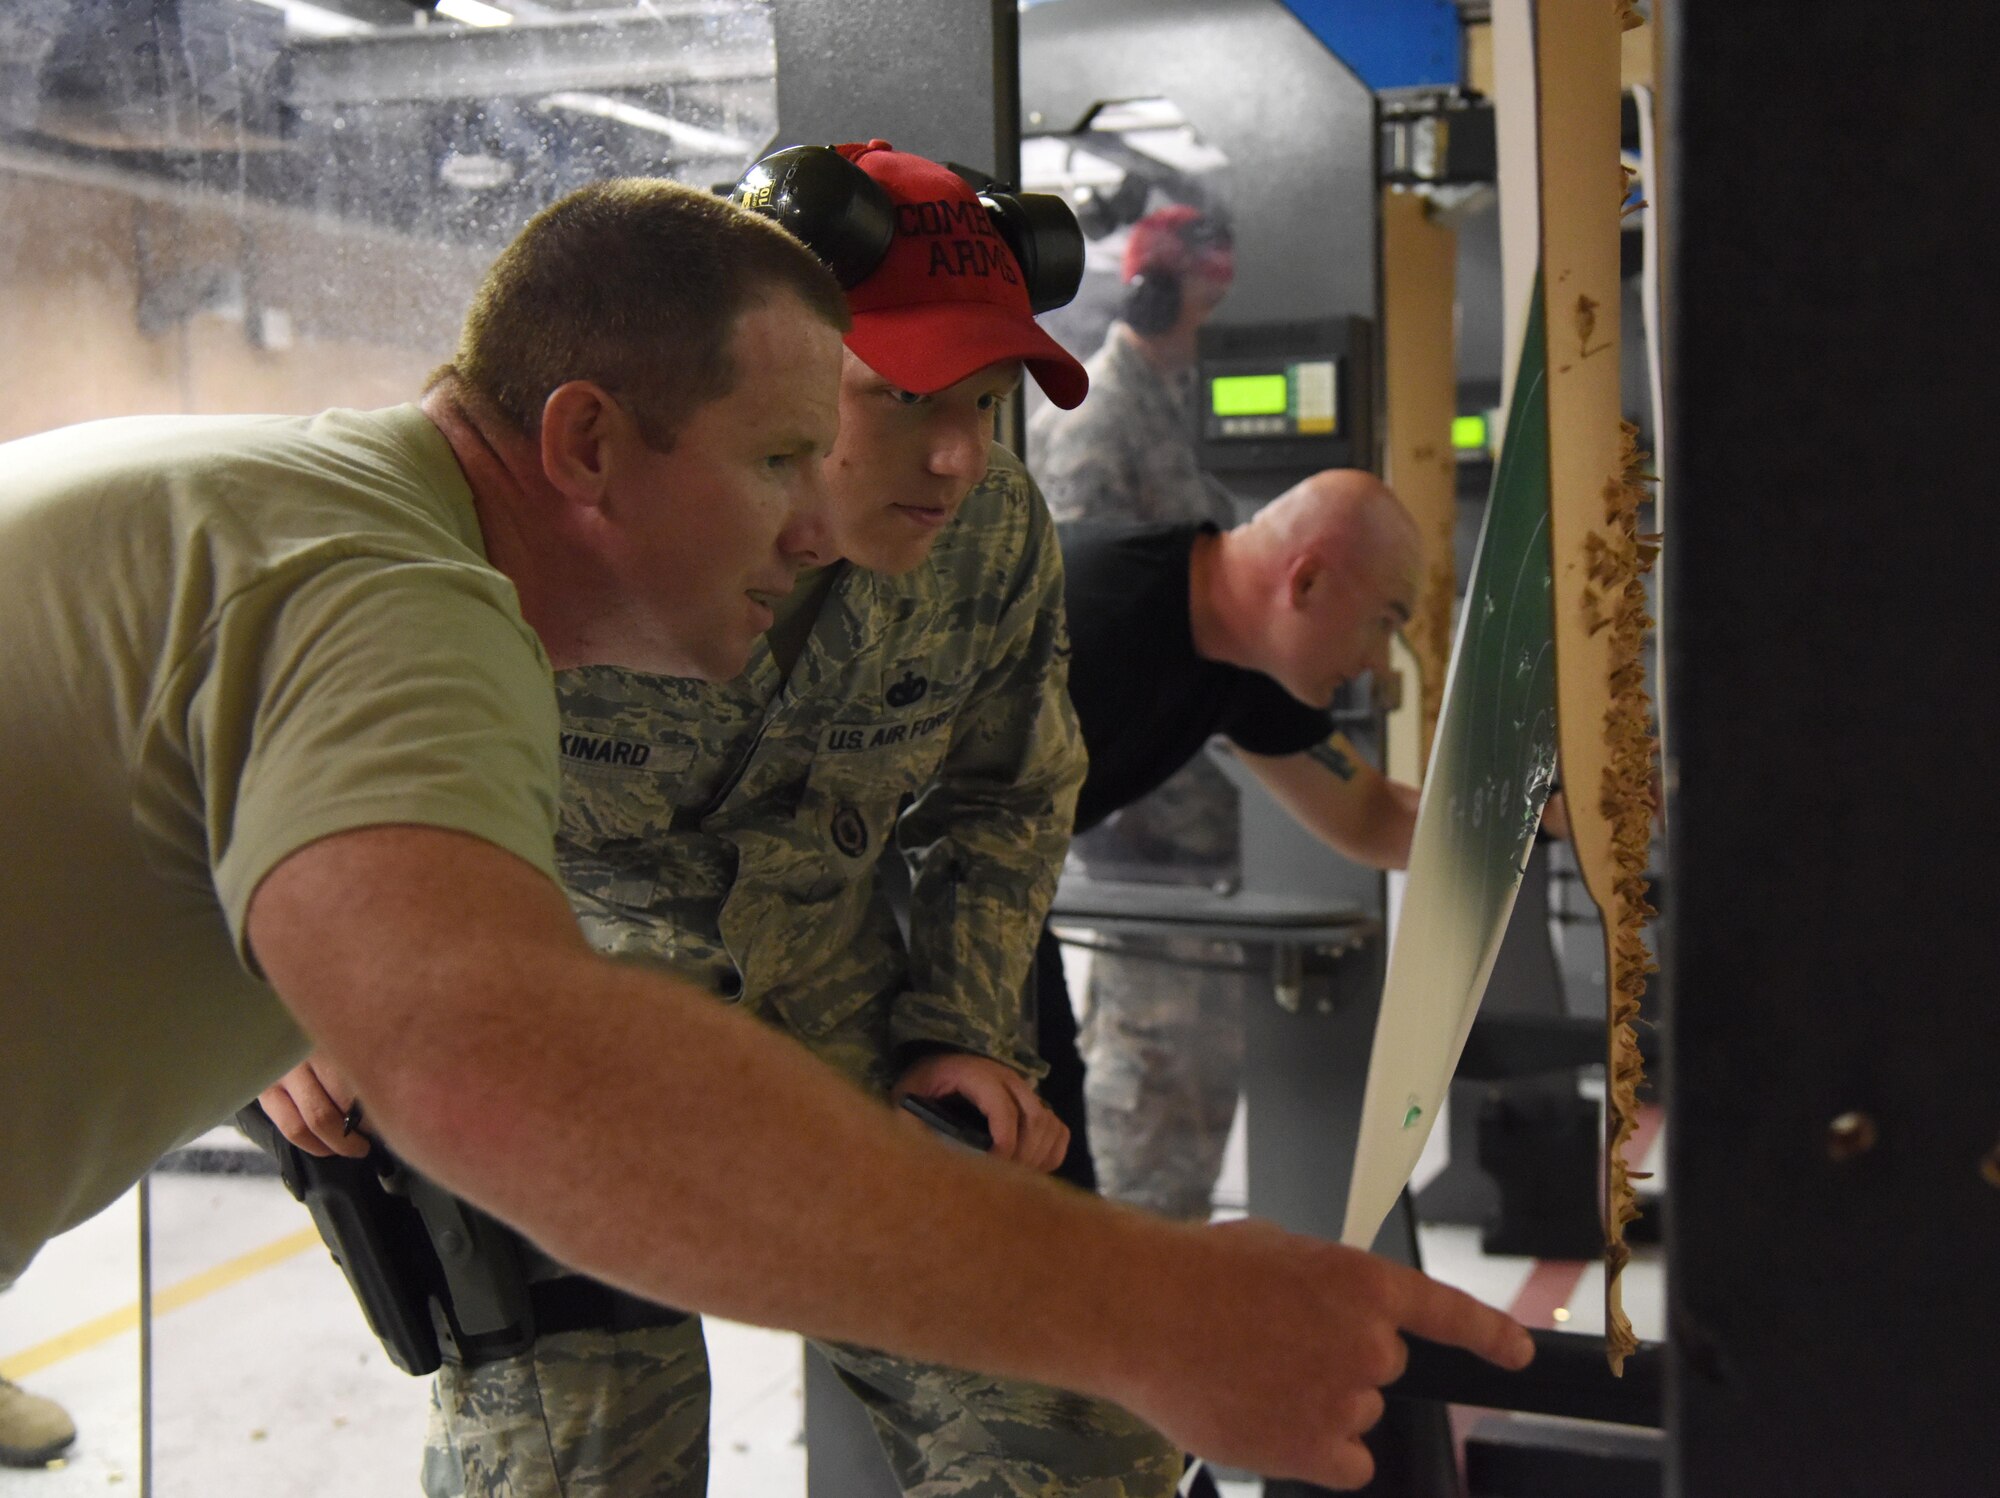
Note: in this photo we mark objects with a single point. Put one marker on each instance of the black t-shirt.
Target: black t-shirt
(1146, 702)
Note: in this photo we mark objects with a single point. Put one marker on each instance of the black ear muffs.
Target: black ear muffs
(827, 203)
(1042, 231)
(843, 216)
(1152, 303)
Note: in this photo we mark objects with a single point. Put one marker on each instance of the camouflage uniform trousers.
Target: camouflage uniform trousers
(598, 1415)
(579, 1412)
(1163, 1043)
(1163, 1052)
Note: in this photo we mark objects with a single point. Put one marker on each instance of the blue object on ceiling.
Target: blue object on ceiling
(1388, 43)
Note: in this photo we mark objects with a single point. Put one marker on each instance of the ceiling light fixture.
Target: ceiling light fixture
(694, 137)
(474, 12)
(315, 20)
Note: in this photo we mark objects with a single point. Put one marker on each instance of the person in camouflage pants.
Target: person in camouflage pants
(732, 831)
(1163, 1042)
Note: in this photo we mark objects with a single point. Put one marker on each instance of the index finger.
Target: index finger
(332, 1081)
(323, 1113)
(284, 1114)
(1039, 1148)
(1446, 1315)
(1003, 1119)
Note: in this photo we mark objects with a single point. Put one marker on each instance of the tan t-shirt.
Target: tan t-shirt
(220, 640)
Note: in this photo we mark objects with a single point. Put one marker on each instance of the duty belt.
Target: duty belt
(439, 1280)
(576, 1304)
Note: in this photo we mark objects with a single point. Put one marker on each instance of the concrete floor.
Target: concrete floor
(267, 1381)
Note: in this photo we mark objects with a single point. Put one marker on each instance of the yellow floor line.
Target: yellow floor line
(126, 1318)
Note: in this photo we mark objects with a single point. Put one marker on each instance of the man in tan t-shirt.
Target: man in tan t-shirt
(279, 733)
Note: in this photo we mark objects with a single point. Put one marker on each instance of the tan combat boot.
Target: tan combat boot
(33, 1430)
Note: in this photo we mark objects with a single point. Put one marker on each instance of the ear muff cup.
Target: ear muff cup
(1042, 231)
(1152, 303)
(843, 216)
(827, 203)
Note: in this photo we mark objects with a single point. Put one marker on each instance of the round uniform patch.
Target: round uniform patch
(850, 832)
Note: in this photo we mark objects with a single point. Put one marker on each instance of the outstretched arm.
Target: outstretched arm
(649, 1136)
(1338, 796)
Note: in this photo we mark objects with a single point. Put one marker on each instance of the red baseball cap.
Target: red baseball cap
(948, 299)
(1178, 238)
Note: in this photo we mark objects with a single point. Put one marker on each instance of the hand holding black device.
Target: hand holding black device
(955, 1116)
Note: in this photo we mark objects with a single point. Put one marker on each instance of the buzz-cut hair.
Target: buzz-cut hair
(634, 284)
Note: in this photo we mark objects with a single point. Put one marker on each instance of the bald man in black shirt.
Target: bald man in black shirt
(1181, 633)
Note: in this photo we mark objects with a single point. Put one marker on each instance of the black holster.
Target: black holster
(439, 1280)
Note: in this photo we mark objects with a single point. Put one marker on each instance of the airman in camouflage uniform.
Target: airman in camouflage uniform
(911, 698)
(1163, 1042)
(1125, 453)
(730, 831)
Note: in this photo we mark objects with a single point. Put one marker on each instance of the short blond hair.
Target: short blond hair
(634, 284)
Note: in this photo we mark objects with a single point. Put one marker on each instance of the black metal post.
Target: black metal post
(1833, 1105)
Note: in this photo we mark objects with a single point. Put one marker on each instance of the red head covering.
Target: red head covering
(1174, 240)
(948, 299)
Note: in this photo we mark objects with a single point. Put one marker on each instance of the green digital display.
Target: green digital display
(1468, 433)
(1249, 395)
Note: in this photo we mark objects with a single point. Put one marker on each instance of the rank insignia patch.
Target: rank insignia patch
(909, 690)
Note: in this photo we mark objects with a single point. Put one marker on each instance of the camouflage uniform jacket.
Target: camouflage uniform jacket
(731, 830)
(1126, 453)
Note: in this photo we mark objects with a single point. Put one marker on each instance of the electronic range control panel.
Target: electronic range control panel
(1285, 397)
